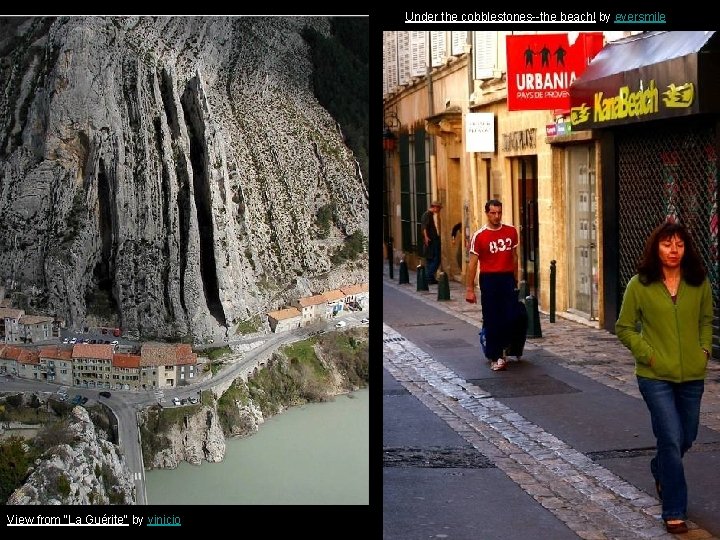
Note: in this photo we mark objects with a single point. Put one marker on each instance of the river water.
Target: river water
(313, 454)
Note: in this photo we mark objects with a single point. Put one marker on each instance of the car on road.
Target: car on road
(340, 324)
(193, 400)
(105, 394)
(176, 401)
(364, 321)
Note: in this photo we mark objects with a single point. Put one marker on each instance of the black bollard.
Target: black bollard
(422, 284)
(443, 286)
(531, 306)
(404, 276)
(553, 281)
(390, 257)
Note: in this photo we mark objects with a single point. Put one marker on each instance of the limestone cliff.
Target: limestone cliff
(165, 174)
(88, 471)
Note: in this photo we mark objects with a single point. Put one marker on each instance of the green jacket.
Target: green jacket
(673, 334)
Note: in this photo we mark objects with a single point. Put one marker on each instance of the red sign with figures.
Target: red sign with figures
(541, 67)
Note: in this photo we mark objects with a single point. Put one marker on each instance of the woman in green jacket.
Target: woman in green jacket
(666, 322)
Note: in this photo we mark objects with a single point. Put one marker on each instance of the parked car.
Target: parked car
(176, 401)
(105, 394)
(77, 400)
(340, 324)
(364, 321)
(193, 400)
(115, 342)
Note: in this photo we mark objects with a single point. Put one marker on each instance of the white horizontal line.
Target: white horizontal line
(68, 524)
(496, 22)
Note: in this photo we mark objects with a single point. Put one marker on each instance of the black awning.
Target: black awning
(647, 77)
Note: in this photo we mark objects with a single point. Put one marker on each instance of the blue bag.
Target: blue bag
(482, 339)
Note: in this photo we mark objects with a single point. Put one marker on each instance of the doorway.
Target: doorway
(524, 171)
(582, 232)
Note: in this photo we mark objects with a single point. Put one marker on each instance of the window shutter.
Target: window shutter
(390, 62)
(418, 54)
(485, 55)
(438, 48)
(403, 57)
(458, 41)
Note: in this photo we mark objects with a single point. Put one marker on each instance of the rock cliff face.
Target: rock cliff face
(90, 471)
(165, 173)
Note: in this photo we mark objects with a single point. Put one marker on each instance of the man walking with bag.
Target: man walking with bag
(493, 249)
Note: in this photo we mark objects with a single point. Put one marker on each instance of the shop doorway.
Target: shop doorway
(582, 232)
(524, 170)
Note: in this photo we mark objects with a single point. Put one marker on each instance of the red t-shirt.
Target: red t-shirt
(494, 248)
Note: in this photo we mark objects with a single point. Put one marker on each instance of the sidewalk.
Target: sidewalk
(591, 351)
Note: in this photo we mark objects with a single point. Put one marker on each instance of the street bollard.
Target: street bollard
(404, 276)
(390, 257)
(533, 328)
(443, 286)
(422, 284)
(553, 279)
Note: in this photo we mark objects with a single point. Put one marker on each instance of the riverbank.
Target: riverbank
(310, 371)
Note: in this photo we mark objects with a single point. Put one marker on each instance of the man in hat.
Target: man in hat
(431, 240)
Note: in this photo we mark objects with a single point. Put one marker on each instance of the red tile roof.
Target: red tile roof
(87, 350)
(282, 314)
(312, 300)
(121, 360)
(335, 294)
(56, 353)
(355, 289)
(34, 319)
(28, 356)
(12, 313)
(166, 354)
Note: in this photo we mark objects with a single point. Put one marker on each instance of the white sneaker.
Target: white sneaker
(499, 365)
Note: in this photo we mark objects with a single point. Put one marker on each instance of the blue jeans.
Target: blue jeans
(432, 256)
(675, 415)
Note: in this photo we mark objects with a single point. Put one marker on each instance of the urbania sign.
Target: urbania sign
(541, 68)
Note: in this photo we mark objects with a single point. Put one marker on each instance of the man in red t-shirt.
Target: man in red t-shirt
(494, 249)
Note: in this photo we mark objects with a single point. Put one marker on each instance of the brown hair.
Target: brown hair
(691, 265)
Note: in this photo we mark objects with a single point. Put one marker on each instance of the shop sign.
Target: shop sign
(524, 139)
(480, 132)
(541, 68)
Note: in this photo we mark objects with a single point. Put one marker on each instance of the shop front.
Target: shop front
(652, 103)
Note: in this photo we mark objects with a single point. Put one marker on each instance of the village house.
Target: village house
(283, 320)
(8, 359)
(165, 365)
(126, 371)
(57, 364)
(357, 295)
(34, 329)
(335, 302)
(312, 308)
(92, 365)
(28, 364)
(10, 324)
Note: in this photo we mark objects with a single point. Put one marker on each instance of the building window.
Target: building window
(414, 186)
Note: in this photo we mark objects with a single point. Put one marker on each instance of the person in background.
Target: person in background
(493, 248)
(457, 241)
(666, 322)
(431, 240)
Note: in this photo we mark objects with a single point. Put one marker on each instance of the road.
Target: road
(127, 404)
